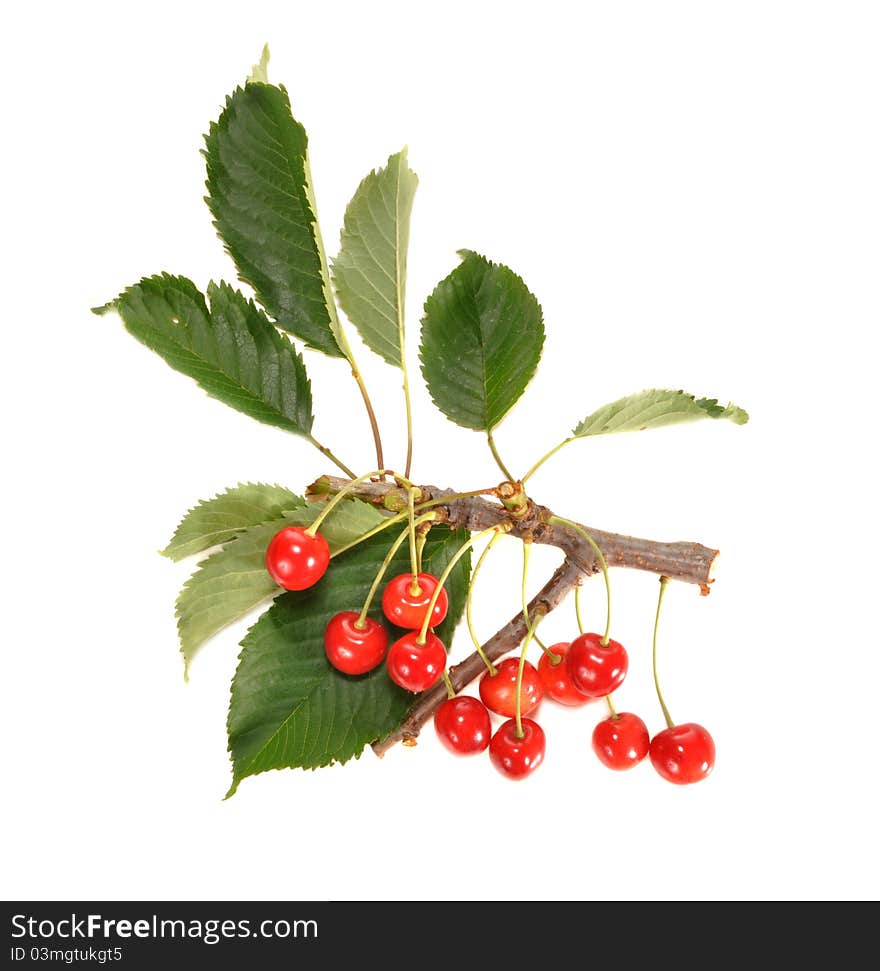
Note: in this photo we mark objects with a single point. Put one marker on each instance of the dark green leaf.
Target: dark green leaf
(653, 409)
(214, 521)
(289, 707)
(482, 335)
(231, 350)
(234, 580)
(260, 195)
(370, 271)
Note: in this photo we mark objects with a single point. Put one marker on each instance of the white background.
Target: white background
(691, 190)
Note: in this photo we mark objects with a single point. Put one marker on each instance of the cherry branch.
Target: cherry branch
(687, 562)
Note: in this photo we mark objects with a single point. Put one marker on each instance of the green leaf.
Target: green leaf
(289, 708)
(370, 270)
(653, 409)
(259, 193)
(234, 580)
(231, 350)
(482, 335)
(214, 521)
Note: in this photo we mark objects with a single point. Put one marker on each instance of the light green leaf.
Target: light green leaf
(260, 196)
(260, 71)
(231, 350)
(234, 580)
(289, 707)
(370, 270)
(214, 521)
(482, 336)
(653, 409)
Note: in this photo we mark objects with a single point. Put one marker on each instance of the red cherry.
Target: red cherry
(556, 679)
(407, 609)
(498, 691)
(596, 669)
(352, 649)
(295, 559)
(683, 754)
(463, 725)
(517, 757)
(416, 666)
(621, 741)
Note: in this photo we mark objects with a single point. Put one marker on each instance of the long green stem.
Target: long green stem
(527, 552)
(370, 533)
(467, 605)
(414, 587)
(389, 556)
(444, 576)
(611, 707)
(421, 539)
(530, 633)
(343, 492)
(544, 458)
(450, 691)
(559, 521)
(670, 723)
(335, 324)
(497, 457)
(326, 451)
(409, 423)
(577, 608)
(519, 677)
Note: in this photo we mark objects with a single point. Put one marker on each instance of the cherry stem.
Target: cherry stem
(497, 457)
(414, 587)
(554, 657)
(527, 551)
(577, 608)
(468, 601)
(611, 707)
(343, 492)
(444, 576)
(326, 451)
(421, 539)
(450, 691)
(360, 623)
(669, 722)
(544, 458)
(559, 521)
(370, 533)
(530, 634)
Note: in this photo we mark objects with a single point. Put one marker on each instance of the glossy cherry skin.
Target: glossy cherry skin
(683, 754)
(407, 609)
(498, 691)
(517, 757)
(621, 742)
(463, 725)
(415, 666)
(352, 649)
(596, 669)
(295, 559)
(557, 681)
